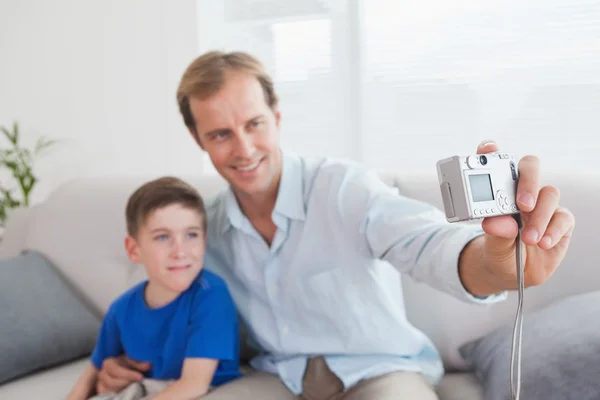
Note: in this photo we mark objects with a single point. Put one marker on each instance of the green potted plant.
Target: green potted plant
(19, 161)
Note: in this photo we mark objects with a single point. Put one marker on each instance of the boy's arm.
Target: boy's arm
(196, 376)
(84, 388)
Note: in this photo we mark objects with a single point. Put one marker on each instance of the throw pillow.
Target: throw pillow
(42, 321)
(560, 356)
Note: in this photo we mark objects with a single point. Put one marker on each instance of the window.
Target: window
(401, 84)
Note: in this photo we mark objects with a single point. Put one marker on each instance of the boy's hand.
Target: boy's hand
(118, 373)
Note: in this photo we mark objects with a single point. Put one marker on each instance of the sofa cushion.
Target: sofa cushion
(49, 384)
(42, 321)
(560, 353)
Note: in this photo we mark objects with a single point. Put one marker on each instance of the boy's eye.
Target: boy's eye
(161, 237)
(193, 235)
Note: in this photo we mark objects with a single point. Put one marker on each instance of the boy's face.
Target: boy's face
(171, 244)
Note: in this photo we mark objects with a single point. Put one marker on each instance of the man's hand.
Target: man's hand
(547, 229)
(117, 373)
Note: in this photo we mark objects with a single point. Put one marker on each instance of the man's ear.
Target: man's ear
(132, 249)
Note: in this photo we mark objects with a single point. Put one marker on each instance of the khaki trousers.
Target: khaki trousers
(319, 383)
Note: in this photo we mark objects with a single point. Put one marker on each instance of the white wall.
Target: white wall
(101, 74)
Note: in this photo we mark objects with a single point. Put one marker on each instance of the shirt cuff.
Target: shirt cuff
(451, 253)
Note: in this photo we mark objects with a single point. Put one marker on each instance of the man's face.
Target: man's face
(240, 133)
(171, 245)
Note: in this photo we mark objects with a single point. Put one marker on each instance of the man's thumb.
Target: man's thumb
(500, 238)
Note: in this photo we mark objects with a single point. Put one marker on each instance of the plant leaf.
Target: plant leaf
(15, 133)
(8, 134)
(43, 144)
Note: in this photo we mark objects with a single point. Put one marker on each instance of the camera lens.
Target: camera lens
(483, 160)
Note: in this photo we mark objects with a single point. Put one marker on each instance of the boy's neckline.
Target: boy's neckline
(147, 304)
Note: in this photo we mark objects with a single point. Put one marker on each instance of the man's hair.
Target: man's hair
(157, 194)
(206, 75)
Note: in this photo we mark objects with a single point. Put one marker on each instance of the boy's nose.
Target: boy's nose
(178, 251)
(178, 254)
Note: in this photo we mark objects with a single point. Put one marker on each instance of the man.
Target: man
(311, 250)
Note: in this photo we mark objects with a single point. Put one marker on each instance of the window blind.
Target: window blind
(400, 84)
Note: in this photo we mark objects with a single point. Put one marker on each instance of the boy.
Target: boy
(182, 319)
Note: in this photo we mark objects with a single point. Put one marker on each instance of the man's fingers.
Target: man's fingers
(560, 227)
(487, 146)
(538, 220)
(529, 183)
(138, 365)
(503, 226)
(500, 237)
(115, 376)
(120, 372)
(114, 383)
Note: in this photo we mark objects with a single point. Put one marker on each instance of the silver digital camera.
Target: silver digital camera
(478, 186)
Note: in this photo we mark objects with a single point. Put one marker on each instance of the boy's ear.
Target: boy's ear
(132, 249)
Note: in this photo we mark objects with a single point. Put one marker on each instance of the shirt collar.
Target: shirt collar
(289, 203)
(290, 197)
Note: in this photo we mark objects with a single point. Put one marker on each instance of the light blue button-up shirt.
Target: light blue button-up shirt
(329, 284)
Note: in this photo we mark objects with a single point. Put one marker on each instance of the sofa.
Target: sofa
(80, 228)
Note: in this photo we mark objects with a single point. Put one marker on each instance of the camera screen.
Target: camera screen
(481, 187)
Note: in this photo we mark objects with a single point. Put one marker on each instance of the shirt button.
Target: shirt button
(273, 288)
(285, 329)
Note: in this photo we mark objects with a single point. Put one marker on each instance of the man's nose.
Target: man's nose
(244, 145)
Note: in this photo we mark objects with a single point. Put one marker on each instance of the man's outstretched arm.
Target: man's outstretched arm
(467, 261)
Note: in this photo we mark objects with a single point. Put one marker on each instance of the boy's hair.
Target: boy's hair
(157, 194)
(206, 75)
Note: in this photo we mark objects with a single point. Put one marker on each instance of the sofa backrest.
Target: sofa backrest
(81, 228)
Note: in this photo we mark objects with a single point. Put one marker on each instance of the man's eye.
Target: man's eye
(221, 135)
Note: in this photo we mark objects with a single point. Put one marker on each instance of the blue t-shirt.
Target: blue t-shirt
(200, 323)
